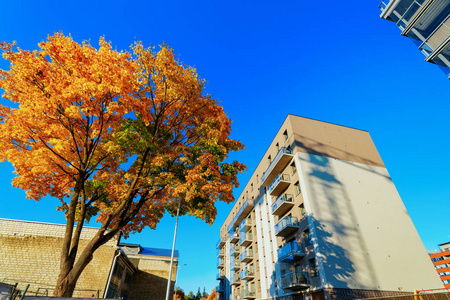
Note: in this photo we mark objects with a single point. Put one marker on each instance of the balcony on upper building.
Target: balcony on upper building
(279, 184)
(220, 252)
(295, 281)
(220, 288)
(282, 204)
(248, 293)
(234, 236)
(220, 263)
(286, 226)
(220, 276)
(235, 279)
(247, 273)
(220, 243)
(247, 255)
(235, 263)
(245, 225)
(289, 252)
(234, 249)
(245, 239)
(277, 165)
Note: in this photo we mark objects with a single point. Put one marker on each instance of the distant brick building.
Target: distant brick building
(30, 254)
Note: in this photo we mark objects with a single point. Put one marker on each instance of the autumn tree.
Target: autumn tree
(119, 136)
(212, 296)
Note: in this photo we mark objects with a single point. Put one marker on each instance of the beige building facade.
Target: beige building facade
(30, 254)
(320, 218)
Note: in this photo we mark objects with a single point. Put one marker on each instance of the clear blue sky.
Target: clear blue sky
(336, 62)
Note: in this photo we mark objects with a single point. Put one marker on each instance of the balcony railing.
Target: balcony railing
(279, 184)
(235, 264)
(245, 224)
(278, 164)
(383, 4)
(290, 251)
(247, 274)
(412, 9)
(286, 226)
(235, 279)
(246, 207)
(220, 263)
(295, 281)
(247, 255)
(220, 243)
(245, 239)
(220, 252)
(234, 237)
(220, 276)
(282, 204)
(220, 288)
(234, 249)
(248, 293)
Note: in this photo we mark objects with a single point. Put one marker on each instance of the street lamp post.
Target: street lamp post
(173, 250)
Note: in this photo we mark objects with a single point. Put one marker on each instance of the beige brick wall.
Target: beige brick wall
(30, 252)
(156, 271)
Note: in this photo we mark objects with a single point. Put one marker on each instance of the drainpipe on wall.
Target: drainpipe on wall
(110, 273)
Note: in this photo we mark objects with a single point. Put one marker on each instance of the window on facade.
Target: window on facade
(293, 168)
(297, 188)
(302, 210)
(118, 271)
(113, 292)
(313, 267)
(269, 159)
(307, 237)
(278, 147)
(285, 134)
(437, 259)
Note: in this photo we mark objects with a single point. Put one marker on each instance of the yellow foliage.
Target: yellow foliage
(127, 133)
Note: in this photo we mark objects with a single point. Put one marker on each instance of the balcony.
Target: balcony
(245, 225)
(220, 263)
(220, 288)
(235, 279)
(246, 207)
(383, 4)
(248, 294)
(234, 249)
(220, 252)
(291, 251)
(235, 264)
(247, 274)
(220, 243)
(247, 255)
(220, 276)
(279, 184)
(282, 204)
(286, 226)
(295, 281)
(234, 237)
(245, 239)
(278, 164)
(436, 42)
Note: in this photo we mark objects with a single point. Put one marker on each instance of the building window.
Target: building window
(293, 168)
(297, 188)
(278, 147)
(313, 267)
(285, 134)
(302, 210)
(307, 237)
(437, 259)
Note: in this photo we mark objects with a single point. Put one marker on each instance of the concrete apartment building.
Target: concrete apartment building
(441, 261)
(30, 254)
(426, 23)
(320, 218)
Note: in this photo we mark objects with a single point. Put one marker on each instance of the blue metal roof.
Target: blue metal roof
(158, 252)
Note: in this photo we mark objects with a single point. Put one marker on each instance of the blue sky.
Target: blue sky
(337, 62)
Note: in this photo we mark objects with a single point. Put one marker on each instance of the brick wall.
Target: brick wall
(30, 252)
(156, 271)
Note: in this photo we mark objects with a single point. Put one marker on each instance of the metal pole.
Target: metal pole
(173, 251)
(176, 278)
